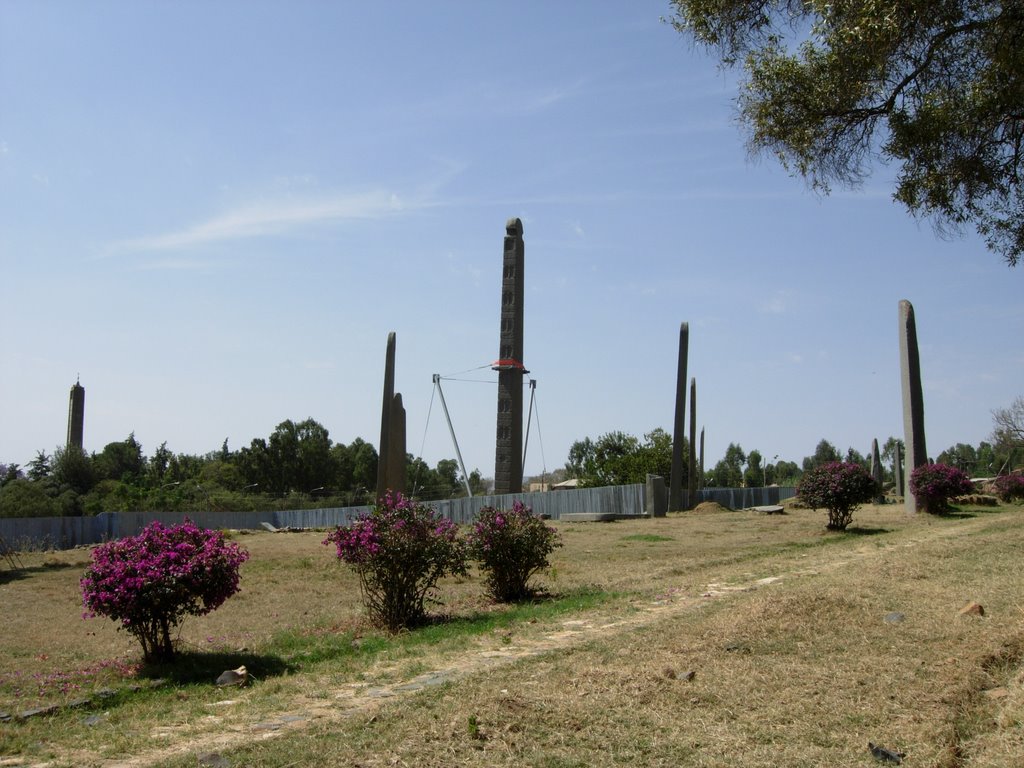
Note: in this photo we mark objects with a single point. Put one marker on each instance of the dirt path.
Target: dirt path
(221, 732)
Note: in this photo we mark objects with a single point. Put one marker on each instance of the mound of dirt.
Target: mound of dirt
(710, 506)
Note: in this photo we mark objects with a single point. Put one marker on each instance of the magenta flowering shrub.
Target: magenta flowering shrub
(400, 550)
(511, 546)
(838, 487)
(935, 484)
(1010, 487)
(151, 581)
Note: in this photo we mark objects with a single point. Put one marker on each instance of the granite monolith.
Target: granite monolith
(691, 473)
(508, 451)
(76, 416)
(675, 494)
(913, 400)
(876, 470)
(700, 479)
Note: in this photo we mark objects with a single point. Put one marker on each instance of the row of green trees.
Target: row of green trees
(297, 465)
(618, 458)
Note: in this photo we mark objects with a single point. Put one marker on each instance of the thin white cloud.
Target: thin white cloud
(776, 305)
(459, 269)
(262, 219)
(179, 265)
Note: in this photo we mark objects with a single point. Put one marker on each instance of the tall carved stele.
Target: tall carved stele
(675, 492)
(76, 416)
(913, 401)
(391, 453)
(508, 451)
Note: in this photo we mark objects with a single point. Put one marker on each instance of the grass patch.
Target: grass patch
(639, 656)
(306, 648)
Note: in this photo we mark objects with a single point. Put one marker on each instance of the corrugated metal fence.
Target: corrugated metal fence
(67, 532)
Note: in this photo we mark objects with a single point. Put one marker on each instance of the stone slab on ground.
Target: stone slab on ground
(771, 509)
(596, 517)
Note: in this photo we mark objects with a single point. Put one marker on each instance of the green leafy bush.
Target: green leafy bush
(511, 546)
(838, 487)
(400, 550)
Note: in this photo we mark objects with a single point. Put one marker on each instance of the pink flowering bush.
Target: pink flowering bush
(400, 550)
(150, 582)
(511, 546)
(1010, 487)
(838, 487)
(935, 484)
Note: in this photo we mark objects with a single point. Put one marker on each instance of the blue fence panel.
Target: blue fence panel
(624, 500)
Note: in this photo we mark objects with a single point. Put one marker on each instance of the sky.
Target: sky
(213, 214)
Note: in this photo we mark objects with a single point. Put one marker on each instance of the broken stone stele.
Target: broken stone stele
(233, 677)
(391, 456)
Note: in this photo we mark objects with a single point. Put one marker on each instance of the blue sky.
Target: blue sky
(214, 213)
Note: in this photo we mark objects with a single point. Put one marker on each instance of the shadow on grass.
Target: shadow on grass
(191, 667)
(7, 573)
(856, 530)
(955, 514)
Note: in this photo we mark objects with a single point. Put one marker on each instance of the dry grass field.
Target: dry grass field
(718, 638)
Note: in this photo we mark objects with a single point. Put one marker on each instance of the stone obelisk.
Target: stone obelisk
(675, 493)
(876, 470)
(508, 452)
(700, 480)
(691, 475)
(76, 416)
(913, 400)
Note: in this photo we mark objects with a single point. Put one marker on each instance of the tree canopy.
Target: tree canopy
(617, 458)
(1008, 425)
(296, 466)
(932, 86)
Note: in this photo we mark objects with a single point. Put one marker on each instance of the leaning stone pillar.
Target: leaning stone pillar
(675, 494)
(913, 400)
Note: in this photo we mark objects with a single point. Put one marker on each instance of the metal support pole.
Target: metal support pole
(451, 429)
(529, 418)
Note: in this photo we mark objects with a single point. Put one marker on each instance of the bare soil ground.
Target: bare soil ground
(721, 638)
